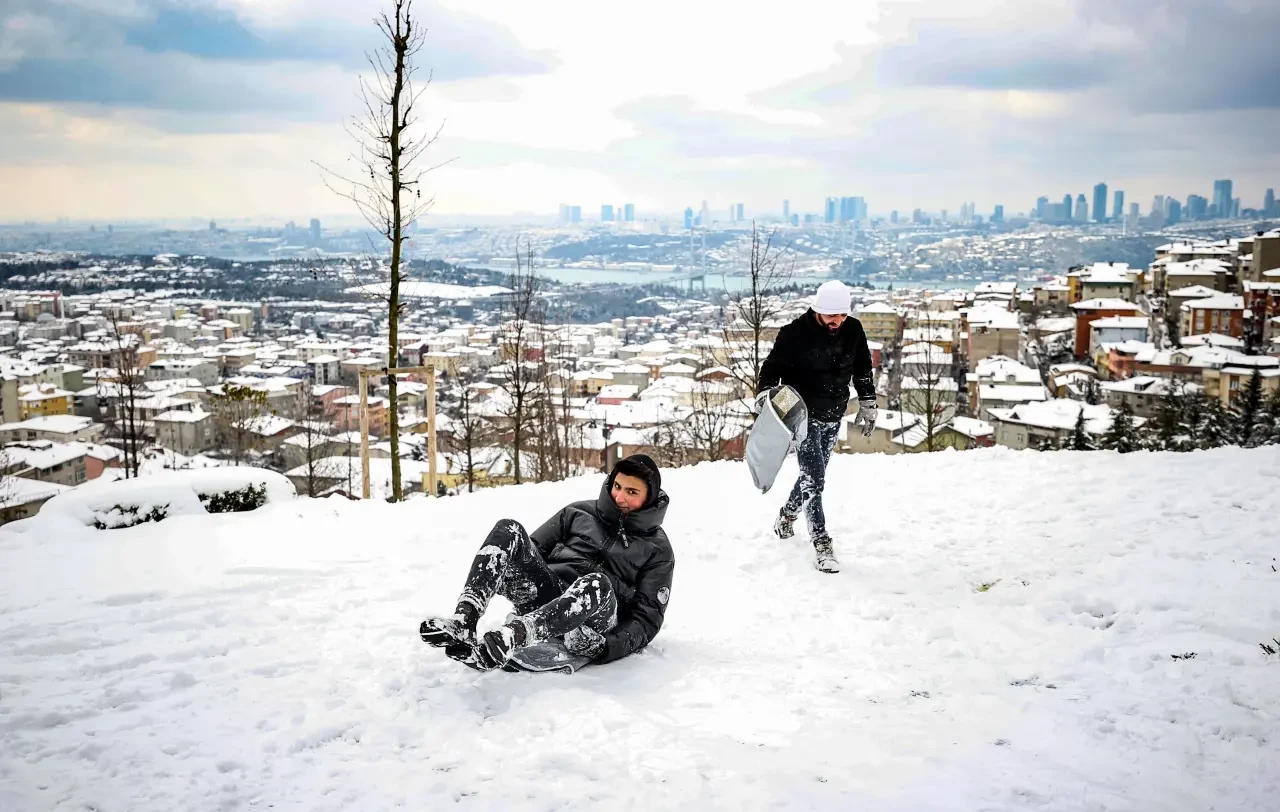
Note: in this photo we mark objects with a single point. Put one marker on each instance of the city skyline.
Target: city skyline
(218, 108)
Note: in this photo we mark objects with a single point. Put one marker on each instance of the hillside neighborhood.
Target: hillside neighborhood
(1182, 354)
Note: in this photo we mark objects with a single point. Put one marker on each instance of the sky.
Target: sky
(127, 109)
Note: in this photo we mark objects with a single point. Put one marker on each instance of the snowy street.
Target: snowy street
(1007, 645)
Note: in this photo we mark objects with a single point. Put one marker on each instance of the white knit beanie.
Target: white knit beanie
(833, 299)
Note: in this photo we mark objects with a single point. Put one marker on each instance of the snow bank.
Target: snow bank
(105, 504)
(1002, 638)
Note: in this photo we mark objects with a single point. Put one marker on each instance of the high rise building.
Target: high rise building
(704, 215)
(575, 214)
(1269, 203)
(606, 213)
(1174, 213)
(786, 210)
(1082, 209)
(629, 212)
(1066, 206)
(917, 217)
(893, 217)
(944, 216)
(1117, 207)
(831, 210)
(737, 213)
(1222, 197)
(688, 218)
(1100, 202)
(1235, 208)
(1197, 207)
(213, 226)
(997, 216)
(1042, 207)
(1134, 211)
(565, 212)
(1157, 206)
(315, 231)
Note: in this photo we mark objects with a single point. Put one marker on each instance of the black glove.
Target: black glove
(496, 647)
(585, 642)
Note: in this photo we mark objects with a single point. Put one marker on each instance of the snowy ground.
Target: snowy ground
(271, 660)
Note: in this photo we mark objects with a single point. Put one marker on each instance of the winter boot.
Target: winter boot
(783, 526)
(497, 646)
(825, 559)
(460, 627)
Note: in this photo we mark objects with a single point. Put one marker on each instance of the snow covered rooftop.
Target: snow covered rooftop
(1106, 304)
(56, 424)
(1223, 301)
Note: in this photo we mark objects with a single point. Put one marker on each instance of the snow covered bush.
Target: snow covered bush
(110, 505)
(237, 500)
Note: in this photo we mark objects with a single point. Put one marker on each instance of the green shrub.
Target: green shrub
(129, 516)
(240, 500)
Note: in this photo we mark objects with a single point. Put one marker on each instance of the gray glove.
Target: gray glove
(759, 402)
(866, 417)
(585, 642)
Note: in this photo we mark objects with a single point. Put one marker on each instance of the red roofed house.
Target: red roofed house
(1090, 311)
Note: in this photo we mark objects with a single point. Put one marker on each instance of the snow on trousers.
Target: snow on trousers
(508, 564)
(813, 455)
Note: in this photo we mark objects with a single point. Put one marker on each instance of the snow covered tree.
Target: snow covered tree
(1271, 418)
(1246, 412)
(1092, 392)
(1215, 425)
(1122, 436)
(1164, 432)
(1079, 439)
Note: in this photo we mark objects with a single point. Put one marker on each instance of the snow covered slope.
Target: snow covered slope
(271, 659)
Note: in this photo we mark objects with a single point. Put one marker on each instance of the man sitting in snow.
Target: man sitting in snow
(597, 574)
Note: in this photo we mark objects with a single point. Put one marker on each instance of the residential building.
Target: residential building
(188, 432)
(1035, 425)
(1089, 311)
(1226, 384)
(1218, 314)
(43, 400)
(46, 461)
(21, 498)
(1118, 329)
(881, 322)
(58, 428)
(992, 331)
(1143, 393)
(1002, 371)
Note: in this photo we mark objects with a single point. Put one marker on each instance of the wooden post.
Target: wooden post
(430, 371)
(364, 434)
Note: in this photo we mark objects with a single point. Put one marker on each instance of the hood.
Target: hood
(643, 521)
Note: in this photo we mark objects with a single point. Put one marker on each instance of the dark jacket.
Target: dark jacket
(819, 366)
(632, 550)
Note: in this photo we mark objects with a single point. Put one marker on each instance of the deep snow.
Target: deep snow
(271, 659)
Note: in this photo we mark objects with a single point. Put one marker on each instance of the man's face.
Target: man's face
(832, 323)
(629, 492)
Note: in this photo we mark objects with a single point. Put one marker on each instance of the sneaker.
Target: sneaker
(825, 559)
(445, 631)
(783, 526)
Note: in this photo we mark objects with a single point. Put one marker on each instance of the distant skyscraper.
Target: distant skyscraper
(1100, 202)
(1197, 207)
(1235, 208)
(893, 217)
(998, 215)
(1174, 214)
(575, 214)
(315, 230)
(1157, 206)
(1082, 209)
(1117, 208)
(688, 218)
(1042, 206)
(1269, 202)
(213, 226)
(944, 216)
(917, 216)
(737, 213)
(565, 212)
(1134, 211)
(629, 212)
(1222, 197)
(704, 215)
(829, 215)
(1066, 206)
(606, 213)
(786, 210)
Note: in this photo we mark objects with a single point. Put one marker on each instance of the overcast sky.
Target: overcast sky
(217, 108)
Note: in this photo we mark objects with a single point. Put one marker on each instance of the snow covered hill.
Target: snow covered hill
(1001, 644)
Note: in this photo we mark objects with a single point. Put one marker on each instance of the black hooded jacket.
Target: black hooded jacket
(819, 365)
(631, 550)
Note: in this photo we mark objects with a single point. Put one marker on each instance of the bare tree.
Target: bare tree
(927, 388)
(390, 149)
(706, 431)
(751, 310)
(311, 447)
(521, 340)
(122, 415)
(471, 429)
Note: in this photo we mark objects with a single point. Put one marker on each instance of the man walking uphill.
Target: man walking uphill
(818, 355)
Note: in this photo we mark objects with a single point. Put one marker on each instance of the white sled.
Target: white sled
(780, 427)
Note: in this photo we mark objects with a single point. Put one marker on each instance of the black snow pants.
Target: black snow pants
(813, 455)
(508, 564)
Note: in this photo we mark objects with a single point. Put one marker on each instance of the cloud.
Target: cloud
(197, 57)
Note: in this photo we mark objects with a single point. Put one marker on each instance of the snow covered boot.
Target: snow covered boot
(783, 526)
(460, 627)
(497, 646)
(825, 559)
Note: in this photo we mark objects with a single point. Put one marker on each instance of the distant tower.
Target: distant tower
(213, 226)
(629, 213)
(1100, 202)
(705, 215)
(1222, 197)
(1269, 203)
(1066, 207)
(1082, 209)
(1134, 210)
(786, 210)
(1042, 207)
(829, 213)
(998, 215)
(1117, 208)
(575, 214)
(606, 213)
(737, 213)
(315, 230)
(688, 218)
